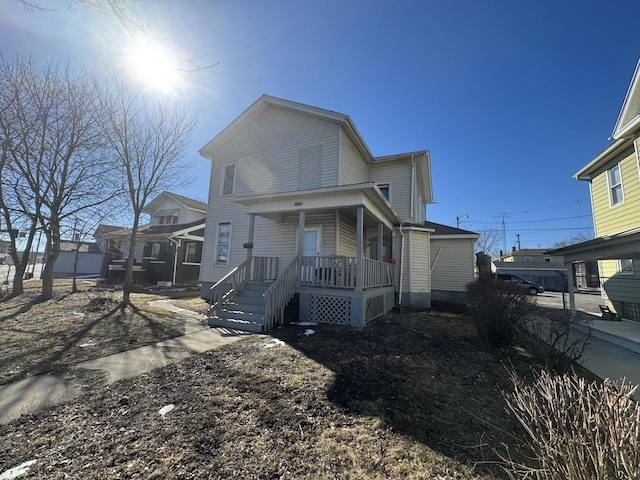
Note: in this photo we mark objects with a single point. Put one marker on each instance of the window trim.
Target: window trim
(619, 268)
(611, 187)
(216, 260)
(223, 177)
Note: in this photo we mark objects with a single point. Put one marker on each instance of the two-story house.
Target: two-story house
(168, 248)
(614, 184)
(298, 205)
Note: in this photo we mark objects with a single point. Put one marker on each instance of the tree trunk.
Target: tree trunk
(127, 286)
(53, 250)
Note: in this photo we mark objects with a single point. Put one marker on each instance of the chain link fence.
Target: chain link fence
(617, 298)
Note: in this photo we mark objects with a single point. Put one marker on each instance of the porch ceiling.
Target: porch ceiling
(345, 198)
(611, 247)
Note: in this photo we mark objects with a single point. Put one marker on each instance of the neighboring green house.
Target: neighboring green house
(614, 182)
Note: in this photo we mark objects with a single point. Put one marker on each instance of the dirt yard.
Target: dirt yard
(51, 336)
(412, 395)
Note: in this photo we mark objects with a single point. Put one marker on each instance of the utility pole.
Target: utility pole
(466, 215)
(504, 234)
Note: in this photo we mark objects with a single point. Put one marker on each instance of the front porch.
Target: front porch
(333, 290)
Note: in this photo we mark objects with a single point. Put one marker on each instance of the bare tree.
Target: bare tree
(577, 238)
(148, 137)
(57, 158)
(489, 242)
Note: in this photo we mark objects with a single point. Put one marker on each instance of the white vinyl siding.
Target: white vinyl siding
(348, 240)
(398, 176)
(415, 272)
(353, 166)
(453, 269)
(310, 169)
(418, 262)
(267, 151)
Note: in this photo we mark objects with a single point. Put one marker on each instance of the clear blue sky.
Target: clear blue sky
(511, 97)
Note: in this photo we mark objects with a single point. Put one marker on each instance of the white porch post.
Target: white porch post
(252, 222)
(380, 238)
(572, 296)
(300, 234)
(360, 233)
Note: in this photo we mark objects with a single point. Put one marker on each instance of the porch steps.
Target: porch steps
(245, 312)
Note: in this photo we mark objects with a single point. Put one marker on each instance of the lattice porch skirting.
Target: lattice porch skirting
(345, 307)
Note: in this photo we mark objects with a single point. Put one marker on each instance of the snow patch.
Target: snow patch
(523, 352)
(88, 344)
(166, 409)
(276, 342)
(18, 471)
(304, 324)
(308, 332)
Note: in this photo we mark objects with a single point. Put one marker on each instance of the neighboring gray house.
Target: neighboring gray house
(552, 276)
(168, 248)
(298, 205)
(89, 258)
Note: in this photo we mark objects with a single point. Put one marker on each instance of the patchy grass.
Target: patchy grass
(410, 396)
(38, 337)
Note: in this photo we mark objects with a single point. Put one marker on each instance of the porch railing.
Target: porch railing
(376, 273)
(255, 269)
(228, 287)
(341, 272)
(279, 293)
(264, 269)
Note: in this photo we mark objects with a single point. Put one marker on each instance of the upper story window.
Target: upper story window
(614, 176)
(168, 220)
(547, 259)
(625, 266)
(527, 259)
(228, 179)
(384, 188)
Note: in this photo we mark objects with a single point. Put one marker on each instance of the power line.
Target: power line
(532, 221)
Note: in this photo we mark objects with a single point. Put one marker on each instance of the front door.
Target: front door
(311, 247)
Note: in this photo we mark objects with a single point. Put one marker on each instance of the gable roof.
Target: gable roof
(186, 202)
(422, 157)
(629, 116)
(445, 230)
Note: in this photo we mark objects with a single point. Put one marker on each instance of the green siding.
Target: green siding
(609, 220)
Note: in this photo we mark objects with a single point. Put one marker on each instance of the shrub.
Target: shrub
(576, 430)
(498, 310)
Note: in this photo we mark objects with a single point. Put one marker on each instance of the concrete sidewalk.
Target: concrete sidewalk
(613, 350)
(43, 391)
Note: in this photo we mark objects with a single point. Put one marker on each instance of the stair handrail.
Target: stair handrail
(228, 287)
(278, 295)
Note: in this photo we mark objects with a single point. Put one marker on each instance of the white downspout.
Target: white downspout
(401, 265)
(413, 181)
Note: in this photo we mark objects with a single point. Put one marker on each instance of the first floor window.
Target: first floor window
(155, 250)
(191, 253)
(625, 265)
(224, 242)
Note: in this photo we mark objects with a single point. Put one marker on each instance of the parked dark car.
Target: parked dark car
(532, 288)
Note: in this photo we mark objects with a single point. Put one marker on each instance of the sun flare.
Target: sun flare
(153, 65)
